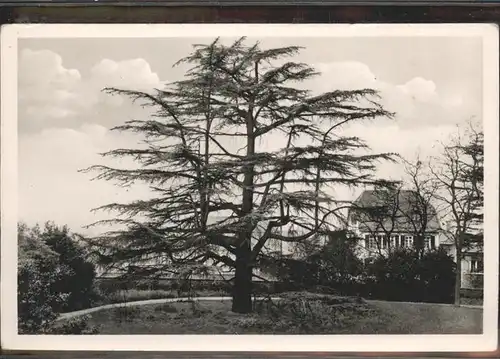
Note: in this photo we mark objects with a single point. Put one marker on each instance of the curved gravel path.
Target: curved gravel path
(143, 302)
(196, 299)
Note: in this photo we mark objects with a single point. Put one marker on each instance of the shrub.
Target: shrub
(476, 280)
(299, 273)
(336, 269)
(52, 276)
(38, 271)
(302, 312)
(329, 269)
(79, 273)
(404, 276)
(78, 325)
(337, 264)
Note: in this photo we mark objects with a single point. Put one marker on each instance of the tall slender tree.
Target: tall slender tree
(421, 213)
(237, 155)
(459, 176)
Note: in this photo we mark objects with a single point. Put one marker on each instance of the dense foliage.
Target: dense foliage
(79, 273)
(53, 277)
(332, 267)
(38, 271)
(399, 276)
(402, 276)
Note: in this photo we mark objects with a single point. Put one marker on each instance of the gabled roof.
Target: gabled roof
(403, 218)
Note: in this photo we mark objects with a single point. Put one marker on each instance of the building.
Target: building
(385, 220)
(472, 262)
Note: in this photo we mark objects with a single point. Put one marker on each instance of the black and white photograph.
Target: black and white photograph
(337, 183)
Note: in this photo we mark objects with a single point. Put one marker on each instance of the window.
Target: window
(476, 266)
(385, 241)
(430, 242)
(381, 241)
(396, 241)
(408, 241)
(370, 242)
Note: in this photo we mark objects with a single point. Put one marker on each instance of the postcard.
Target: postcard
(229, 187)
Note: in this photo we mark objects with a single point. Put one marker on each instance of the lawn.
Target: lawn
(132, 295)
(297, 313)
(426, 318)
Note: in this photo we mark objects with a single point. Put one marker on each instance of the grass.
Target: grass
(110, 295)
(432, 318)
(297, 313)
(131, 295)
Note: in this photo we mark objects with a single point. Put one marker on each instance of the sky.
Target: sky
(64, 120)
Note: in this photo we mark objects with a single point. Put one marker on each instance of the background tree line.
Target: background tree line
(336, 268)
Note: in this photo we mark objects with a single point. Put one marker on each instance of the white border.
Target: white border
(324, 343)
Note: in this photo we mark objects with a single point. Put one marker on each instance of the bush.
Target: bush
(404, 276)
(38, 271)
(330, 269)
(79, 274)
(338, 266)
(78, 325)
(336, 269)
(302, 312)
(476, 280)
(301, 274)
(52, 277)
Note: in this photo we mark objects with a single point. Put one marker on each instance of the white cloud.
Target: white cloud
(51, 95)
(45, 67)
(416, 103)
(420, 89)
(133, 74)
(47, 90)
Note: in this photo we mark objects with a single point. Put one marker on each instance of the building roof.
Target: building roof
(398, 212)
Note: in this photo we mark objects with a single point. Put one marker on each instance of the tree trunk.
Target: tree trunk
(458, 276)
(242, 289)
(419, 245)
